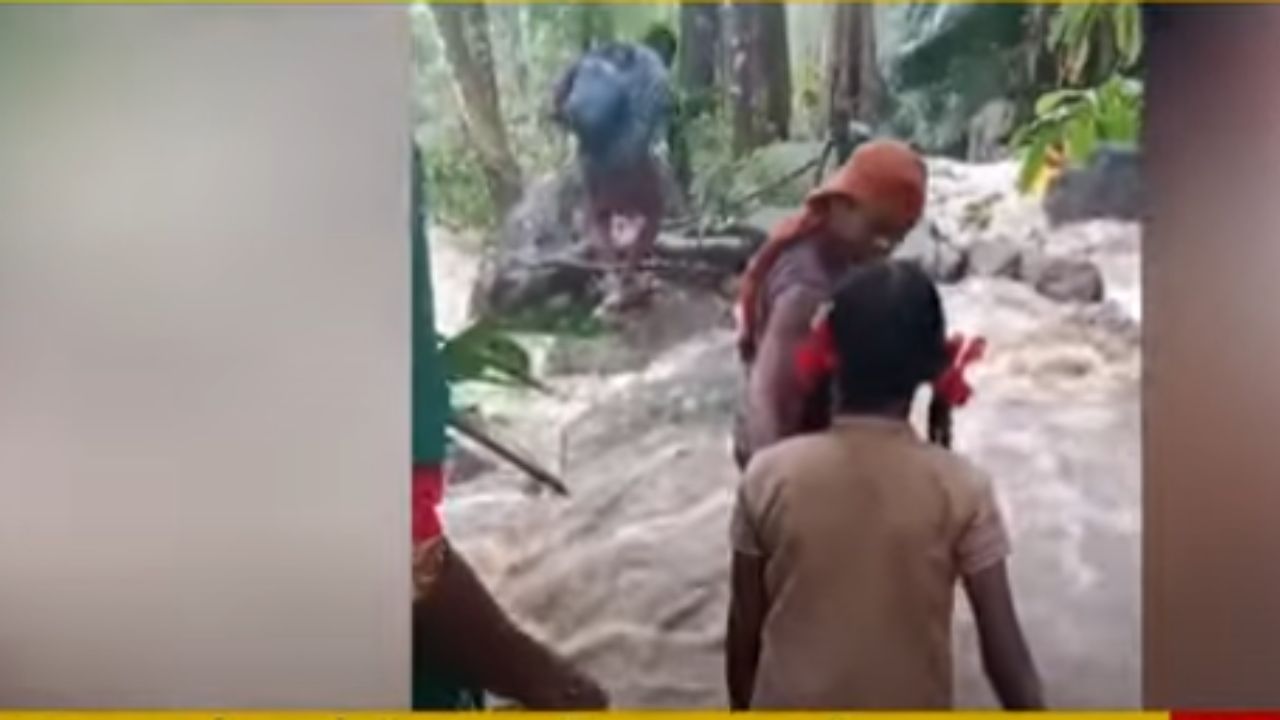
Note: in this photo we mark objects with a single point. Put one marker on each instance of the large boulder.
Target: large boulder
(926, 247)
(943, 64)
(540, 253)
(539, 249)
(1109, 187)
(1067, 280)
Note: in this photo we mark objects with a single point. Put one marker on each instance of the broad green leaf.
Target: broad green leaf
(1050, 101)
(1082, 138)
(483, 353)
(1128, 30)
(1078, 60)
(1033, 163)
(1058, 28)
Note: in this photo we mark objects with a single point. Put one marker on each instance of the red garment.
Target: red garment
(428, 492)
(816, 361)
(884, 175)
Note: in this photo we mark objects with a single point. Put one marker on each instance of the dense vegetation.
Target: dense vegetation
(750, 75)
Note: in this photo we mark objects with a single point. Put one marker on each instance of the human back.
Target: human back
(849, 543)
(596, 103)
(617, 104)
(866, 520)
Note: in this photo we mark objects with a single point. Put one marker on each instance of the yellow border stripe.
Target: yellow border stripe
(616, 715)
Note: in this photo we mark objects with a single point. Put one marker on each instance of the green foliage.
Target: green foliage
(456, 185)
(717, 181)
(485, 352)
(1106, 38)
(810, 85)
(489, 351)
(1075, 122)
(533, 43)
(1097, 44)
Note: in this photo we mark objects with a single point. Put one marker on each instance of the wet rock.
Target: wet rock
(538, 250)
(1109, 187)
(994, 258)
(941, 64)
(1066, 280)
(989, 130)
(541, 251)
(925, 246)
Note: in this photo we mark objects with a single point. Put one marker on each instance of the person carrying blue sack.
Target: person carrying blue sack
(617, 101)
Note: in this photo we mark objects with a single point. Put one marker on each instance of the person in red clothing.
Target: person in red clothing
(859, 214)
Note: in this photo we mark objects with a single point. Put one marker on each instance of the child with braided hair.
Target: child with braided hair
(849, 542)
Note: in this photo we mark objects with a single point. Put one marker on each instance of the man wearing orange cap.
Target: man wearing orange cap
(860, 213)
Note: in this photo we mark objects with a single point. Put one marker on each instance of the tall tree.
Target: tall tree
(851, 78)
(596, 25)
(760, 69)
(464, 31)
(776, 57)
(700, 34)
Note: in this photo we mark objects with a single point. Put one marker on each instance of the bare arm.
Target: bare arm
(746, 619)
(1005, 655)
(460, 624)
(776, 403)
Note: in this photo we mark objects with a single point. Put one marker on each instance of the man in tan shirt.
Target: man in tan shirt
(849, 543)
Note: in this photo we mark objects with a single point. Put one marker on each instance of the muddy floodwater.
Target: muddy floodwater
(629, 576)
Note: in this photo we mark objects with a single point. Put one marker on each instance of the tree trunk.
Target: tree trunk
(776, 57)
(760, 75)
(697, 69)
(699, 52)
(464, 31)
(596, 25)
(852, 81)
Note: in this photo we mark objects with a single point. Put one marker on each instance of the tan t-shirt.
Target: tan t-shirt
(864, 531)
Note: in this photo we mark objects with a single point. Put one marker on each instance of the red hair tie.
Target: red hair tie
(815, 362)
(816, 357)
(951, 385)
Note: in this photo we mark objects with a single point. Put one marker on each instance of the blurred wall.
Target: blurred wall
(204, 368)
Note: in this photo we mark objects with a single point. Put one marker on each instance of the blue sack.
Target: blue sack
(595, 108)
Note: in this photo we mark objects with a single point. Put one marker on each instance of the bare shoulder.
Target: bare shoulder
(796, 305)
(798, 266)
